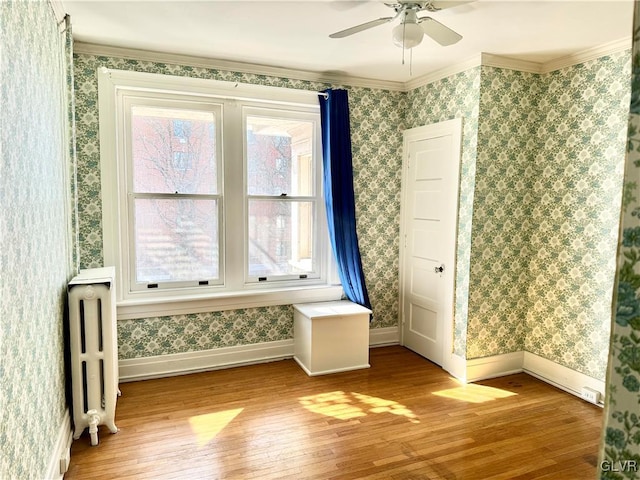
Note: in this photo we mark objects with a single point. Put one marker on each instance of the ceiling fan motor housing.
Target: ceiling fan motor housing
(412, 28)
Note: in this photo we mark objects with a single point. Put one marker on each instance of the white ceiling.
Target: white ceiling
(295, 34)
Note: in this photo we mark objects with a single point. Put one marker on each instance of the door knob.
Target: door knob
(439, 269)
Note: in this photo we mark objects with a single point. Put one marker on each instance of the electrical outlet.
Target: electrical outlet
(590, 395)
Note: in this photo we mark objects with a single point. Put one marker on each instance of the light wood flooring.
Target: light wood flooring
(404, 418)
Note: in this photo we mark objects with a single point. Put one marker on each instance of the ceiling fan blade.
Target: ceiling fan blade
(442, 4)
(360, 28)
(440, 33)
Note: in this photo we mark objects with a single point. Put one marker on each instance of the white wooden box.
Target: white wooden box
(331, 337)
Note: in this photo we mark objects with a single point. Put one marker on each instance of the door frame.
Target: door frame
(454, 128)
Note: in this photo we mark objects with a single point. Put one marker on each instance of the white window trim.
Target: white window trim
(125, 179)
(171, 302)
(322, 249)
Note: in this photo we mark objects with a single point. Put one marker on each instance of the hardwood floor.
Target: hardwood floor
(404, 418)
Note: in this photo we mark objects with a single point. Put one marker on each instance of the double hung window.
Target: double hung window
(281, 195)
(173, 162)
(210, 189)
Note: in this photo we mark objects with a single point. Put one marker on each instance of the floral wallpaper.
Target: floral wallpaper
(540, 180)
(72, 144)
(527, 263)
(377, 139)
(186, 333)
(620, 448)
(541, 173)
(376, 135)
(548, 179)
(574, 210)
(499, 251)
(35, 259)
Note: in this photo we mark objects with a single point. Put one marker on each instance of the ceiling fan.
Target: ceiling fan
(412, 28)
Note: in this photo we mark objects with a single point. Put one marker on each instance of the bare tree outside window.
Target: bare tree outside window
(175, 189)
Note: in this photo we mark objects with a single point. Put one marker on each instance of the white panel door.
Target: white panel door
(428, 230)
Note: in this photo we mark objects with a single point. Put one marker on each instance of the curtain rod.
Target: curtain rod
(326, 95)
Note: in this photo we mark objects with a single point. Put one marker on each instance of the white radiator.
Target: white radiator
(94, 350)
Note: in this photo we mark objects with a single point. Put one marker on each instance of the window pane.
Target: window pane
(280, 238)
(279, 156)
(173, 150)
(176, 240)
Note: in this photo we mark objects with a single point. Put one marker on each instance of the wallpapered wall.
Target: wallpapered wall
(35, 260)
(535, 148)
(568, 167)
(621, 433)
(576, 195)
(540, 189)
(501, 228)
(376, 136)
(549, 171)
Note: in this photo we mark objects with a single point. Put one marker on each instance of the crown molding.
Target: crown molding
(443, 73)
(482, 59)
(577, 58)
(587, 55)
(498, 61)
(240, 67)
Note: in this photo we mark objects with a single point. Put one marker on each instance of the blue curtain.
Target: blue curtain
(338, 193)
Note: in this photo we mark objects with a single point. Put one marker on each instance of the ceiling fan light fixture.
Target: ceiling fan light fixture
(407, 35)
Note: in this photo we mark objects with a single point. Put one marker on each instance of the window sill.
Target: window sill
(167, 306)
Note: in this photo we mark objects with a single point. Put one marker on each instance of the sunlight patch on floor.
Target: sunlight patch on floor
(332, 404)
(474, 393)
(207, 426)
(345, 406)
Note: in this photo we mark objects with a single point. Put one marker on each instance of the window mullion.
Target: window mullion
(234, 206)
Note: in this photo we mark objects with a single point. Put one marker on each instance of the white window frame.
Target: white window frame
(236, 290)
(315, 198)
(127, 100)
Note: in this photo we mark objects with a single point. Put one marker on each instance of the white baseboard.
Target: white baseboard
(560, 376)
(59, 460)
(182, 363)
(477, 369)
(383, 337)
(191, 362)
(495, 366)
(472, 370)
(457, 366)
(550, 372)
